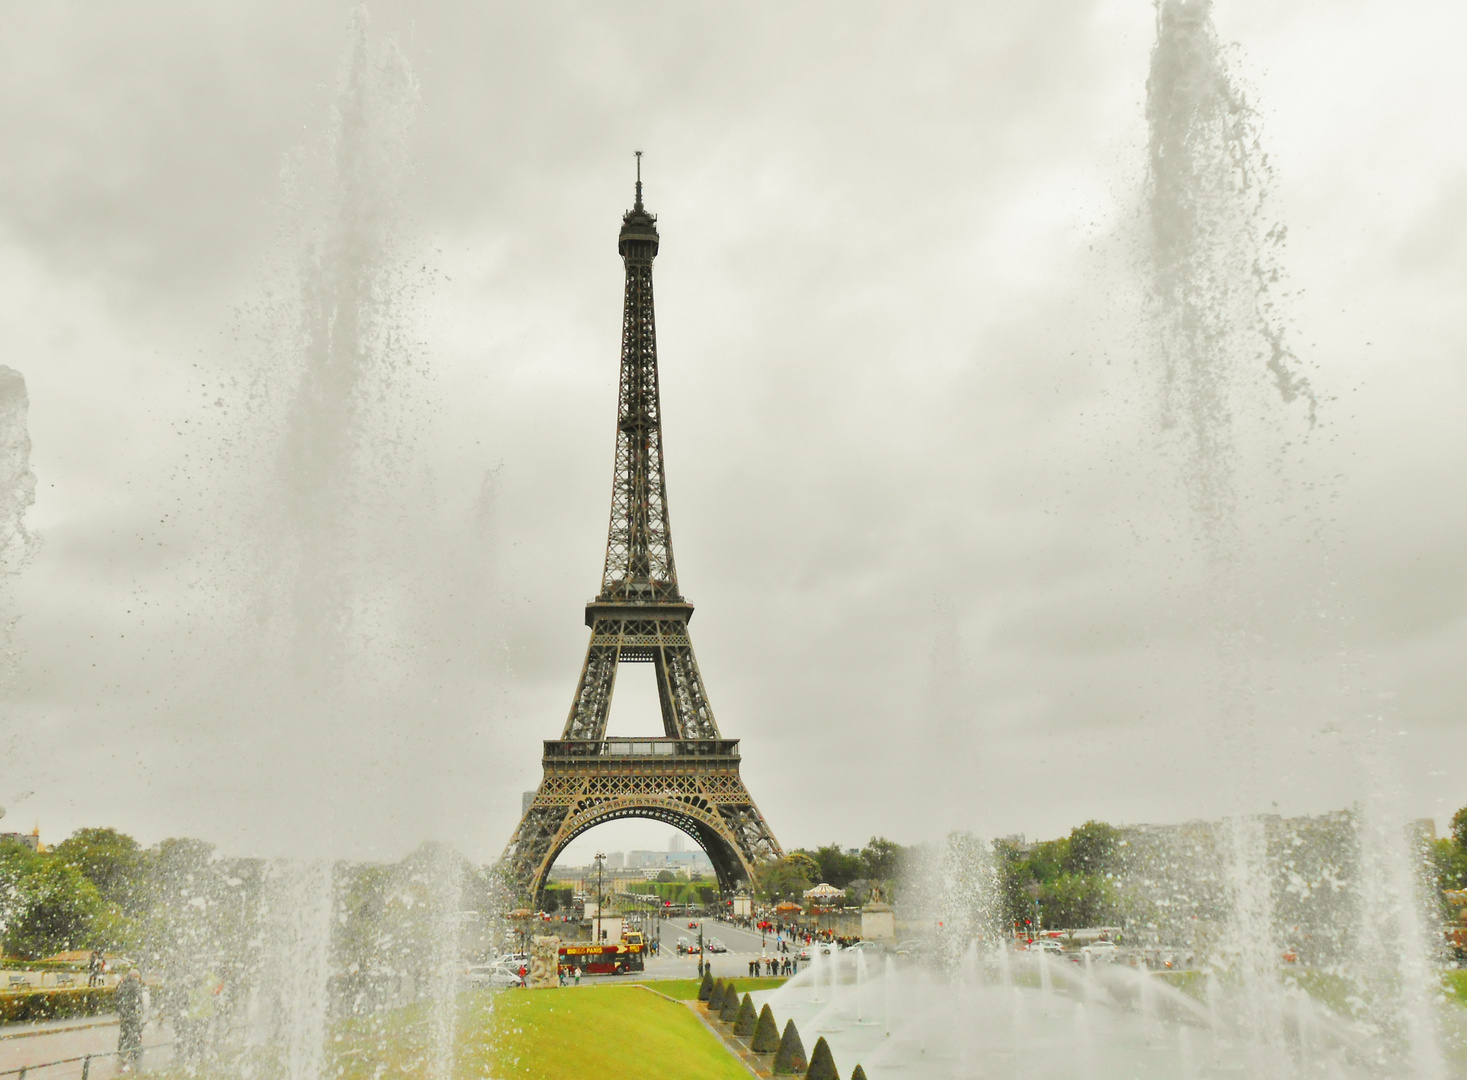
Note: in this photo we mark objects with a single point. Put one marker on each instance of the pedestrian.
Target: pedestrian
(95, 965)
(192, 1002)
(577, 970)
(129, 1004)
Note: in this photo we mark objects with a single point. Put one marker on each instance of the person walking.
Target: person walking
(129, 1003)
(96, 963)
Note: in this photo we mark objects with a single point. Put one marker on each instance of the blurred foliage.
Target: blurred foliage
(878, 865)
(679, 892)
(1069, 882)
(38, 1005)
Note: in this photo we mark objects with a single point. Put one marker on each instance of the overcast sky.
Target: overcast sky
(920, 494)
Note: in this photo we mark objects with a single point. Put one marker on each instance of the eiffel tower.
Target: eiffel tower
(687, 777)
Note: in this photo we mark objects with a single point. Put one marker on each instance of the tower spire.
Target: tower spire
(639, 181)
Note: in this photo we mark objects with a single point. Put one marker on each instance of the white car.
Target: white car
(1100, 950)
(495, 976)
(1046, 945)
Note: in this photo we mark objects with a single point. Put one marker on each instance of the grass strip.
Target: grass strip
(687, 989)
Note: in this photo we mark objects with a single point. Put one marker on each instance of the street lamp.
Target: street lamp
(600, 865)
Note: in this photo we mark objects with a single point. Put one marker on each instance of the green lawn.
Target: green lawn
(607, 1032)
(595, 1032)
(1456, 985)
(687, 989)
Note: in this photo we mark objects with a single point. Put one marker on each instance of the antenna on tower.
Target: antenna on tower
(639, 179)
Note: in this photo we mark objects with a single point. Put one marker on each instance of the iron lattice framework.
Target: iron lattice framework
(689, 776)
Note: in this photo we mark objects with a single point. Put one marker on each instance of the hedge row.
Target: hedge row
(32, 1005)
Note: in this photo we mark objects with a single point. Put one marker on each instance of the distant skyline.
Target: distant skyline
(920, 491)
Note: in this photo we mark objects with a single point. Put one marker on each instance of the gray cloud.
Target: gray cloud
(918, 488)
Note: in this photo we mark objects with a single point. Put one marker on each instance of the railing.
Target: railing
(85, 1059)
(579, 749)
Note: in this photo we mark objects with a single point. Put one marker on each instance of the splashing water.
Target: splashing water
(339, 362)
(1215, 273)
(298, 908)
(1213, 260)
(17, 494)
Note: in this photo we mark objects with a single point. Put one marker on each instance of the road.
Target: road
(743, 946)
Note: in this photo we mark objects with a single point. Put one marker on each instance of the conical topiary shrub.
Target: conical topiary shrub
(730, 1011)
(715, 996)
(822, 1065)
(766, 1033)
(705, 988)
(790, 1058)
(745, 1019)
(858, 1073)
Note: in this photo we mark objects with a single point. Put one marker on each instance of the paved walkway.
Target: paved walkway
(34, 1045)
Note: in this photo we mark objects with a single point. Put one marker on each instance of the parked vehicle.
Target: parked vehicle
(495, 976)
(1100, 950)
(714, 945)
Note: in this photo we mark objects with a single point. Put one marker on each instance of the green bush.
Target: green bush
(730, 1011)
(745, 1019)
(858, 1073)
(822, 1065)
(715, 996)
(791, 1055)
(766, 1033)
(35, 1005)
(705, 988)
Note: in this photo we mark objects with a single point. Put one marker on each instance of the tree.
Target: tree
(807, 865)
(113, 862)
(835, 866)
(53, 909)
(882, 859)
(1459, 828)
(766, 1032)
(666, 875)
(822, 1064)
(790, 1057)
(1091, 848)
(745, 1019)
(786, 879)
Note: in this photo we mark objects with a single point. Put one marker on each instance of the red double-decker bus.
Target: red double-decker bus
(618, 958)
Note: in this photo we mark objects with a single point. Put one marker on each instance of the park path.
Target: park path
(32, 1045)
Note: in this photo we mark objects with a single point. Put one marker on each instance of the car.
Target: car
(866, 946)
(682, 945)
(693, 925)
(1046, 945)
(1100, 950)
(495, 976)
(714, 945)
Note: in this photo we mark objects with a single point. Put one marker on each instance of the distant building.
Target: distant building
(675, 842)
(31, 839)
(615, 860)
(668, 860)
